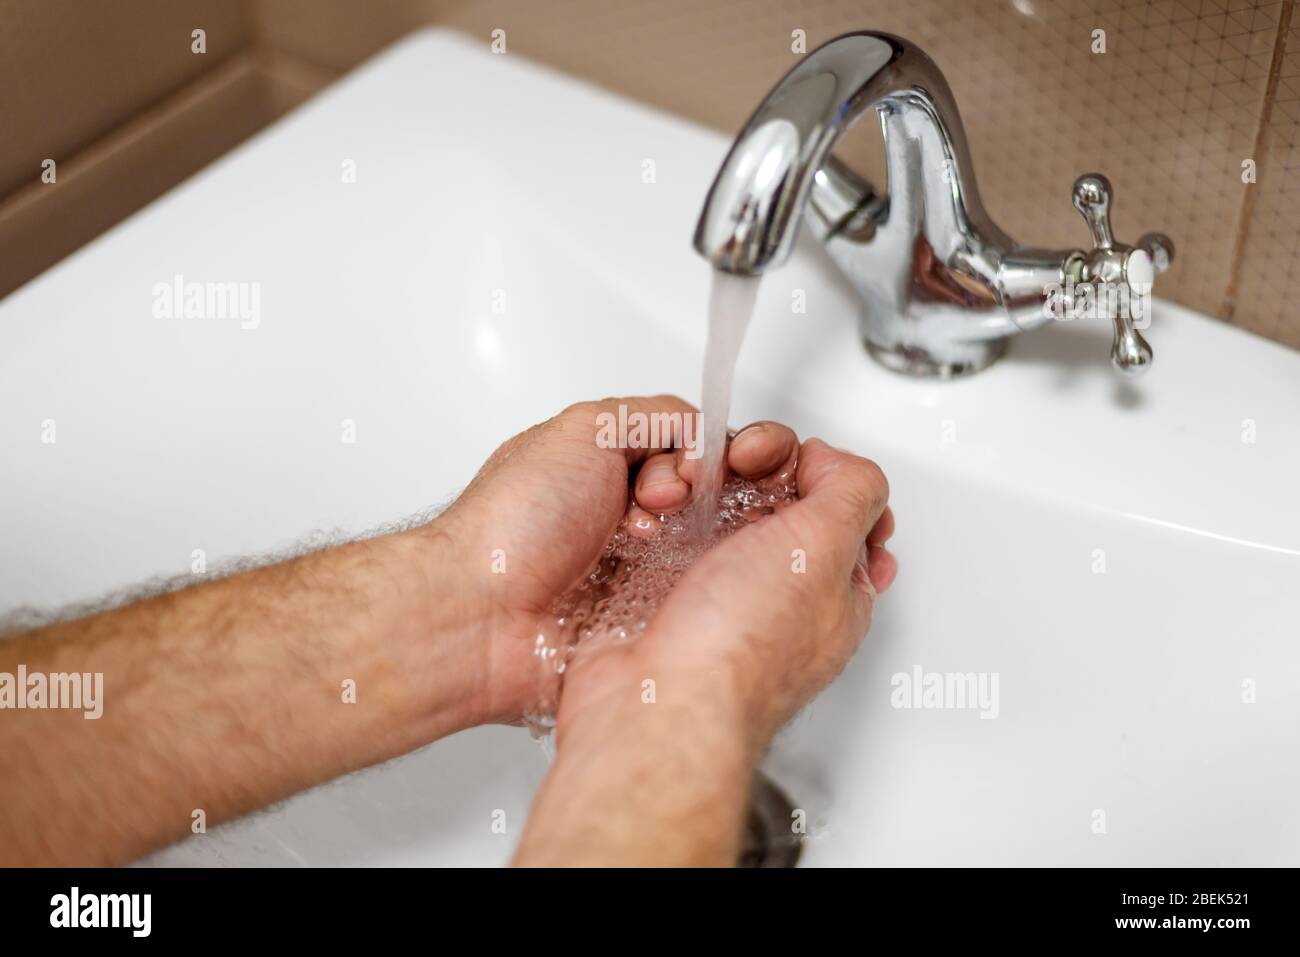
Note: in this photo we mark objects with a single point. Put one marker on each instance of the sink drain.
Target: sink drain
(770, 840)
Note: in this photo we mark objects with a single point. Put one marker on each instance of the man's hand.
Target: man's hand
(751, 633)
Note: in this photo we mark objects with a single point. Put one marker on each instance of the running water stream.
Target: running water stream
(731, 303)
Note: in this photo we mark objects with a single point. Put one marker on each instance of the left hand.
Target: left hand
(542, 508)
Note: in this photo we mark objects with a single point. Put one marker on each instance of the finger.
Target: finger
(841, 497)
(659, 487)
(637, 426)
(688, 465)
(883, 530)
(764, 449)
(640, 523)
(882, 568)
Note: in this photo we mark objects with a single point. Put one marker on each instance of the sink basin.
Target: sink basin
(1122, 557)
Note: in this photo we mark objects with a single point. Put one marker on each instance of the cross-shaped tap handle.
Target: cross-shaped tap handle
(1121, 276)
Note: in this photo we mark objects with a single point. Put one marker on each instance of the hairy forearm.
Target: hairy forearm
(650, 783)
(231, 695)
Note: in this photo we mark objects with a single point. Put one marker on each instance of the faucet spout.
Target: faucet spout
(943, 286)
(781, 161)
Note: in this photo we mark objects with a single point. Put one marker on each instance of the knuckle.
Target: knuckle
(869, 486)
(587, 409)
(876, 479)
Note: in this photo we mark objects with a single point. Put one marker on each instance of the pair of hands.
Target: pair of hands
(239, 691)
(765, 619)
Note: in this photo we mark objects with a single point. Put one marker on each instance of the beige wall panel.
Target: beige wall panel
(74, 70)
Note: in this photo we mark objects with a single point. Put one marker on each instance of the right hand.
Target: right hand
(770, 616)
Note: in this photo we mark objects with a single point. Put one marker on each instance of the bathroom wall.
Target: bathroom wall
(1169, 99)
(116, 96)
(74, 71)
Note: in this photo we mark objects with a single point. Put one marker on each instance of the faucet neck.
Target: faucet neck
(781, 162)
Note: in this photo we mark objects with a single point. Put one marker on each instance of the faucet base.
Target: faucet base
(916, 362)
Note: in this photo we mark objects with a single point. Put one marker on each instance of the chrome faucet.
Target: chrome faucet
(943, 287)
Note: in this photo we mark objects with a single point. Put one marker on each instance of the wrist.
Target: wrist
(653, 768)
(466, 630)
(630, 684)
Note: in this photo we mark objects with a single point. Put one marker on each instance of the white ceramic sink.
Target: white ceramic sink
(479, 176)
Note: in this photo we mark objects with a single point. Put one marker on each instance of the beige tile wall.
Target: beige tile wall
(1268, 268)
(1170, 111)
(75, 70)
(114, 93)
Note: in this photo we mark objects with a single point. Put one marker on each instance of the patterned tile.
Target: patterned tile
(1268, 277)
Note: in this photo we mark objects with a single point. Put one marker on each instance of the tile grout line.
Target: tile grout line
(1247, 209)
